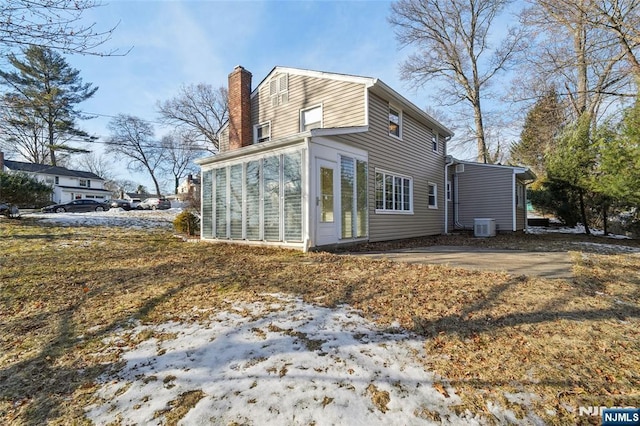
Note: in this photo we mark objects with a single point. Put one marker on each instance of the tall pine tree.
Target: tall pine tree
(542, 126)
(42, 98)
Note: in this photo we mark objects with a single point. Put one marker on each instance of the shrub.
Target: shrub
(187, 222)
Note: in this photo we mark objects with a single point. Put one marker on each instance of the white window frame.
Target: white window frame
(83, 183)
(304, 110)
(435, 142)
(448, 190)
(435, 195)
(397, 111)
(384, 210)
(256, 127)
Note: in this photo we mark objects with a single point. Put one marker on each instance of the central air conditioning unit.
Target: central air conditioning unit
(483, 227)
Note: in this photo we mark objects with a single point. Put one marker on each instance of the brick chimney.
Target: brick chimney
(240, 129)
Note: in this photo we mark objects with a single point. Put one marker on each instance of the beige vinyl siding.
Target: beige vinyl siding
(485, 192)
(224, 140)
(342, 104)
(412, 156)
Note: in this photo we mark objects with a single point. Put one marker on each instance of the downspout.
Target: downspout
(448, 161)
(514, 197)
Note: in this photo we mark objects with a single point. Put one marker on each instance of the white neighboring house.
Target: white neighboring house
(67, 184)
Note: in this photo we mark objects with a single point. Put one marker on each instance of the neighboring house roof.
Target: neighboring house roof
(85, 189)
(48, 170)
(376, 86)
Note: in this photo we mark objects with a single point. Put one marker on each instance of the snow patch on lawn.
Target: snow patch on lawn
(280, 362)
(135, 219)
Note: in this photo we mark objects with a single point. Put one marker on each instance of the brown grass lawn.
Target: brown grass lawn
(493, 337)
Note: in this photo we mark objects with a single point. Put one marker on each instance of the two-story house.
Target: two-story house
(310, 159)
(67, 184)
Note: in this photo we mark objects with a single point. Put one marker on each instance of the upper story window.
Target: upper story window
(311, 118)
(57, 180)
(395, 121)
(85, 183)
(279, 89)
(434, 141)
(262, 132)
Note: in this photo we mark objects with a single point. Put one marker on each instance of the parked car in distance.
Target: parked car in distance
(123, 204)
(155, 204)
(77, 206)
(9, 210)
(135, 203)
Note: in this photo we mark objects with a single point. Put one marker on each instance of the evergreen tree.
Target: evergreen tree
(571, 164)
(23, 190)
(619, 159)
(540, 131)
(44, 91)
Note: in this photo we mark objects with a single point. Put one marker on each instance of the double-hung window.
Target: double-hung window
(434, 141)
(393, 193)
(262, 132)
(395, 122)
(311, 118)
(433, 196)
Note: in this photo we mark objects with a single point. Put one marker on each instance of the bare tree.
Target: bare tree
(567, 52)
(96, 164)
(53, 24)
(622, 19)
(199, 108)
(453, 42)
(22, 133)
(181, 149)
(133, 138)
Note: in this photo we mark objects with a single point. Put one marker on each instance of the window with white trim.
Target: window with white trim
(393, 193)
(311, 118)
(395, 122)
(83, 182)
(448, 190)
(262, 132)
(433, 196)
(279, 89)
(434, 141)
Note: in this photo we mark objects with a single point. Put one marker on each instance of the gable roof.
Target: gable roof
(46, 169)
(375, 85)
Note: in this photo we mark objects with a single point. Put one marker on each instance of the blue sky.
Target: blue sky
(176, 43)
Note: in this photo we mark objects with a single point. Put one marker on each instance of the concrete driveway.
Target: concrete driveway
(516, 262)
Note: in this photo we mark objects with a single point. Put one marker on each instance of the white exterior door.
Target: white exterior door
(326, 202)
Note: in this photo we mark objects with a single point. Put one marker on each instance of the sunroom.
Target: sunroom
(294, 193)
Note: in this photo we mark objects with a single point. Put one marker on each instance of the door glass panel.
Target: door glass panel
(326, 194)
